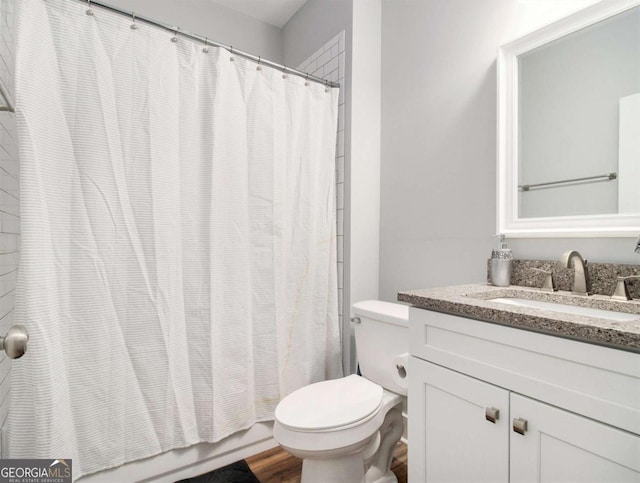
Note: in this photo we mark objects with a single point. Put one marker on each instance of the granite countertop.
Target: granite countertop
(473, 301)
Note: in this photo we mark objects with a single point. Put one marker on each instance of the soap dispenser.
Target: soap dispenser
(501, 264)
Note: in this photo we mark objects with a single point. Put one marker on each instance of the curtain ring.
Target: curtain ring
(89, 11)
(284, 72)
(232, 58)
(174, 39)
(205, 49)
(326, 85)
(133, 18)
(259, 67)
(306, 80)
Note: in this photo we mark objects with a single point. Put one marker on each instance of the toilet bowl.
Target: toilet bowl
(345, 429)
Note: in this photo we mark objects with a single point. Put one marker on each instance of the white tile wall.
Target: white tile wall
(9, 200)
(328, 62)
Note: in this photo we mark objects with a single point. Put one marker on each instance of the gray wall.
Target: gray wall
(315, 23)
(438, 141)
(219, 23)
(438, 185)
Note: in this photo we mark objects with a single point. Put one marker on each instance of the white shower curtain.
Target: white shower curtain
(178, 266)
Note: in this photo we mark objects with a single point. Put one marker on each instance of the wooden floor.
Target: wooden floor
(278, 466)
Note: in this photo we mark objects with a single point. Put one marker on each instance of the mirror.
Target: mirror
(569, 126)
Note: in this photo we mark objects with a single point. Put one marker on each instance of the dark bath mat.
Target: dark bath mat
(238, 472)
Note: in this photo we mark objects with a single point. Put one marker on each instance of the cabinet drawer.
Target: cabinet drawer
(599, 382)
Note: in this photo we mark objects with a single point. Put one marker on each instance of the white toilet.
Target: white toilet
(345, 430)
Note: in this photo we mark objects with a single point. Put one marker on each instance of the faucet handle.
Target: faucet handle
(622, 291)
(549, 284)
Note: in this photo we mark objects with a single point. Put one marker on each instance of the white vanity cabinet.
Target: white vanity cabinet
(471, 382)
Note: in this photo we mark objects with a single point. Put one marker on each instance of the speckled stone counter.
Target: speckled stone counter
(474, 301)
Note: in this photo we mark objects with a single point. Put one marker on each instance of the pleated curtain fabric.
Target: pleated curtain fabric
(178, 263)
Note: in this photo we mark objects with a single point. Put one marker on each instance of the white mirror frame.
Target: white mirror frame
(611, 225)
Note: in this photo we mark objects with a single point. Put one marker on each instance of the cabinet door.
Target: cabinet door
(450, 438)
(559, 446)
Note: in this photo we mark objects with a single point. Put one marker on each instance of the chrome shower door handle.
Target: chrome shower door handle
(15, 342)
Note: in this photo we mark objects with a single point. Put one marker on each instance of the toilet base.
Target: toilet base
(344, 469)
(347, 468)
(390, 433)
(390, 477)
(365, 462)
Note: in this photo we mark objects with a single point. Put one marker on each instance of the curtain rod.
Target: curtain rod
(205, 40)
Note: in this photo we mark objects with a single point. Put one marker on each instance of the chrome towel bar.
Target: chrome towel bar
(603, 177)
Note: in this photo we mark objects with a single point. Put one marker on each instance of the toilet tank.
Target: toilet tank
(382, 334)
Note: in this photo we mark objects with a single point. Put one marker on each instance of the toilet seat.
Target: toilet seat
(305, 441)
(329, 405)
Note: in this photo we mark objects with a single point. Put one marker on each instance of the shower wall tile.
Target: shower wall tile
(335, 50)
(323, 58)
(328, 62)
(331, 66)
(340, 146)
(9, 202)
(340, 222)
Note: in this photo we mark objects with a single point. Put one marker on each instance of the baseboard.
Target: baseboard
(188, 462)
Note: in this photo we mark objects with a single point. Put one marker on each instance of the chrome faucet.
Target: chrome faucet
(581, 283)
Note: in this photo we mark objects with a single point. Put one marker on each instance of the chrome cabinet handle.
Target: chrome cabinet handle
(492, 414)
(520, 425)
(15, 342)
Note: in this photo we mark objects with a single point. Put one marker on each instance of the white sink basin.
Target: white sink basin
(567, 309)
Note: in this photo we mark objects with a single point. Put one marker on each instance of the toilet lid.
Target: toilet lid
(329, 404)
